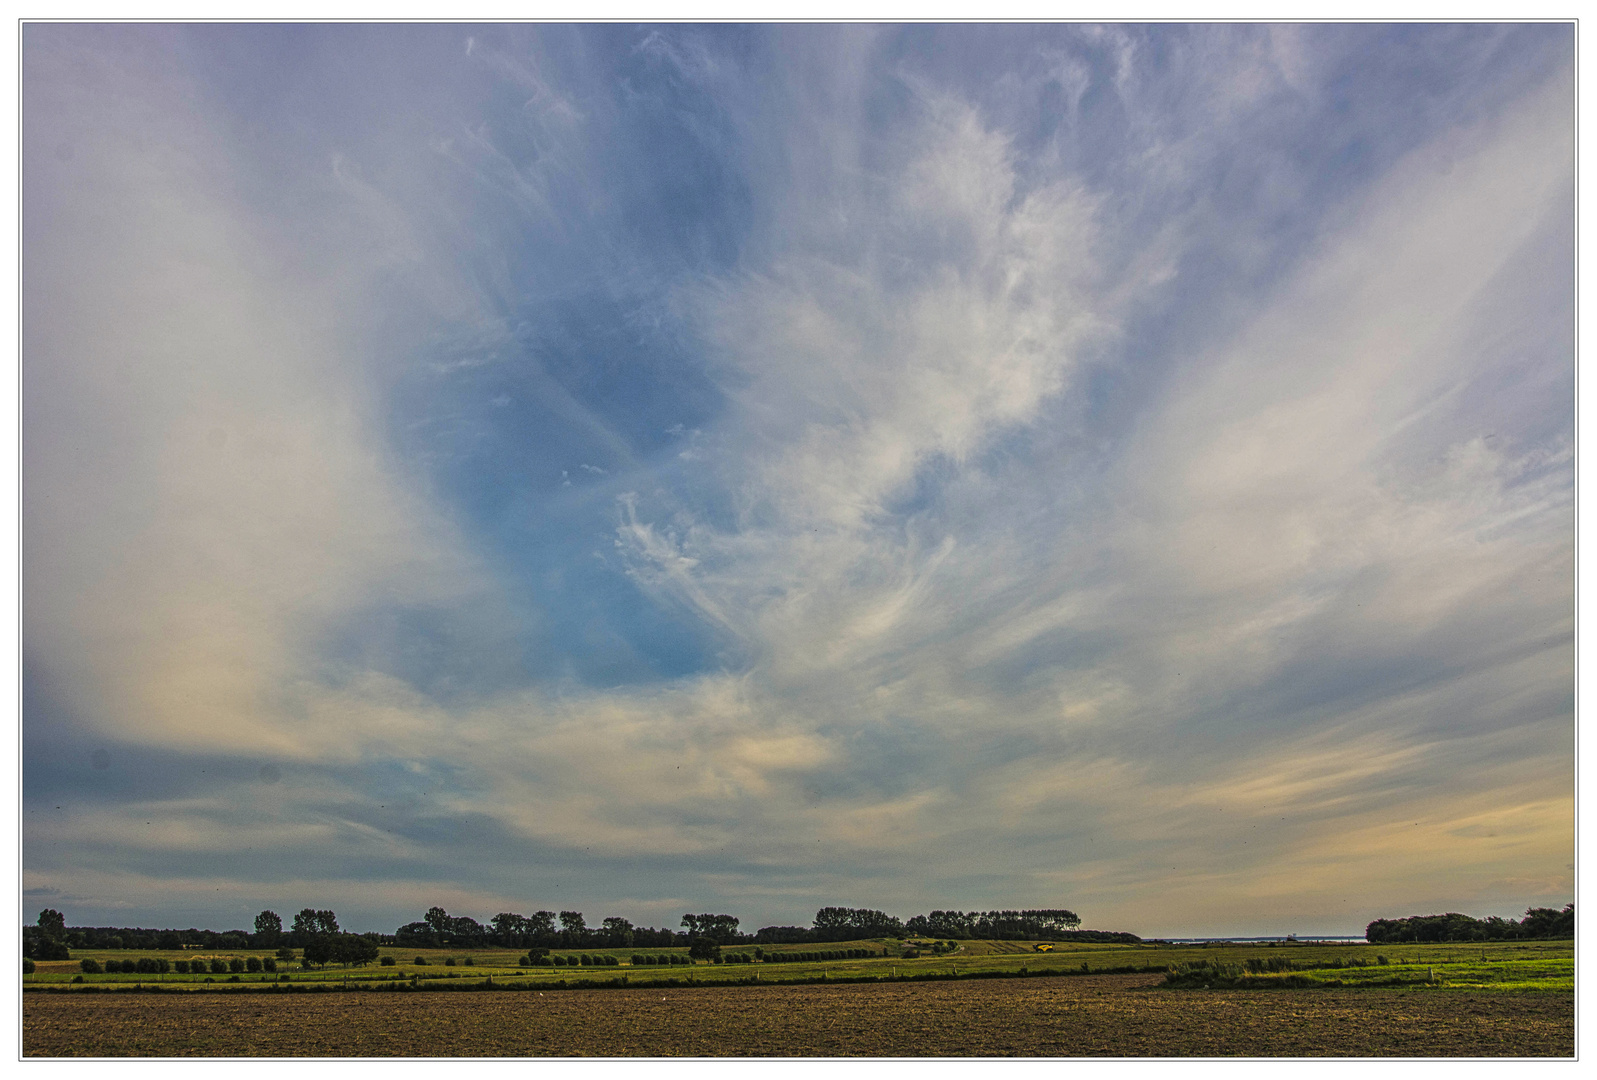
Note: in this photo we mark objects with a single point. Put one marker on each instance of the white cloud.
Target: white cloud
(204, 495)
(1309, 578)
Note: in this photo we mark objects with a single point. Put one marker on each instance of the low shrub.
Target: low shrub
(181, 966)
(90, 966)
(235, 965)
(27, 966)
(420, 961)
(269, 963)
(638, 960)
(218, 966)
(77, 978)
(146, 965)
(470, 961)
(388, 961)
(449, 961)
(252, 964)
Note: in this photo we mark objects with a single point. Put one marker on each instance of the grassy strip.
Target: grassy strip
(1538, 974)
(621, 982)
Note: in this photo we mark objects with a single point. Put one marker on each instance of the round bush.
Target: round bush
(89, 966)
(181, 966)
(638, 960)
(525, 960)
(470, 961)
(449, 962)
(218, 966)
(557, 961)
(235, 965)
(420, 961)
(252, 963)
(269, 963)
(146, 965)
(388, 961)
(27, 966)
(162, 965)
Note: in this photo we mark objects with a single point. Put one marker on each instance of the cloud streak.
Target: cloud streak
(1133, 463)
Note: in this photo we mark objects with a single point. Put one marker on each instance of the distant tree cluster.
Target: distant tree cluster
(314, 932)
(541, 930)
(1537, 923)
(47, 940)
(707, 933)
(317, 936)
(852, 924)
(268, 934)
(1002, 925)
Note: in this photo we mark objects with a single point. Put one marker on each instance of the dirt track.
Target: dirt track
(1093, 1016)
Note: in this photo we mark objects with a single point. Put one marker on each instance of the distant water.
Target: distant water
(1299, 938)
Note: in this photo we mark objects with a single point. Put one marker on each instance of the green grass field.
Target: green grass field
(1534, 965)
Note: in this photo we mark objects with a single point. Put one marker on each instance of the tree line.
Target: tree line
(1537, 923)
(316, 932)
(319, 939)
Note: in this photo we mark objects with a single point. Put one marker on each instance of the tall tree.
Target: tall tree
(510, 929)
(573, 928)
(269, 925)
(311, 923)
(52, 924)
(437, 919)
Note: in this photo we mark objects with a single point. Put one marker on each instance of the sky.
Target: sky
(645, 469)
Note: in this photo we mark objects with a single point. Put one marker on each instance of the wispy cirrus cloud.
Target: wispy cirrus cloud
(1137, 460)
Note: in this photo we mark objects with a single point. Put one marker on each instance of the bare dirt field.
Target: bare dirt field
(1093, 1016)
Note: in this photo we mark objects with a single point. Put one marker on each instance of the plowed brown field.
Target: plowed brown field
(1095, 1016)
